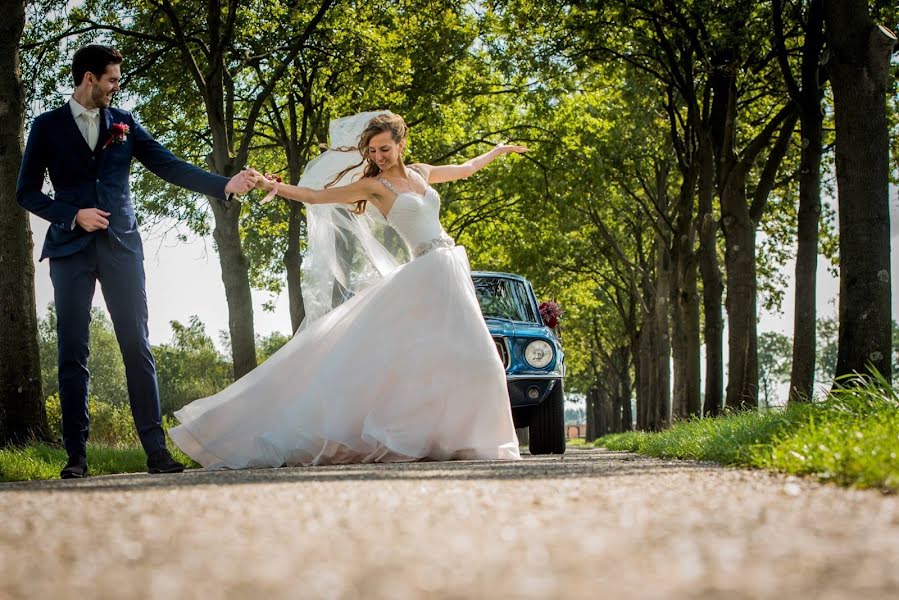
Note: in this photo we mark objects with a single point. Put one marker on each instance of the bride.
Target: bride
(405, 368)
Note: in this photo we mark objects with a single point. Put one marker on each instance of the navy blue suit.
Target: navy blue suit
(99, 178)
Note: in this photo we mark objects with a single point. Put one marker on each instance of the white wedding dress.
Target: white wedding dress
(405, 370)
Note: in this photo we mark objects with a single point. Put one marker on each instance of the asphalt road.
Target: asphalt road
(593, 524)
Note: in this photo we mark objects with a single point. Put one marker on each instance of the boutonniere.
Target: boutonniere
(118, 133)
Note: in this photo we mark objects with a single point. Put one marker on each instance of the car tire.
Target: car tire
(547, 429)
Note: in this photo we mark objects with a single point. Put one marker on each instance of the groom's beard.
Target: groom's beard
(100, 98)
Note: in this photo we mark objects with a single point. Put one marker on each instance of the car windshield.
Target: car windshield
(502, 298)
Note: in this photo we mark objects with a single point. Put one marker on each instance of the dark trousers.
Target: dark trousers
(121, 275)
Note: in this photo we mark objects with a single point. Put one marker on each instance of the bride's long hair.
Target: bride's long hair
(386, 121)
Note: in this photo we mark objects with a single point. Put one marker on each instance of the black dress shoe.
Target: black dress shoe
(76, 468)
(162, 462)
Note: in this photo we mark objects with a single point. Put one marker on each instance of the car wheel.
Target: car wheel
(547, 430)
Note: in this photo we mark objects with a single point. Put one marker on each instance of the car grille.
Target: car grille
(503, 350)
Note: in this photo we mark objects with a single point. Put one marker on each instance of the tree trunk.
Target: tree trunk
(661, 415)
(233, 261)
(623, 389)
(236, 277)
(802, 371)
(690, 309)
(600, 417)
(685, 338)
(590, 414)
(641, 373)
(627, 390)
(293, 265)
(739, 221)
(741, 302)
(685, 304)
(712, 286)
(22, 411)
(859, 70)
(296, 226)
(235, 267)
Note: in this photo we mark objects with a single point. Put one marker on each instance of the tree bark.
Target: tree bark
(22, 411)
(590, 414)
(712, 285)
(641, 374)
(627, 389)
(859, 70)
(233, 261)
(685, 304)
(296, 226)
(623, 389)
(802, 370)
(739, 221)
(236, 278)
(601, 407)
(217, 88)
(660, 415)
(741, 302)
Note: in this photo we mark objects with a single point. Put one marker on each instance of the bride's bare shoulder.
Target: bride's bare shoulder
(371, 186)
(423, 169)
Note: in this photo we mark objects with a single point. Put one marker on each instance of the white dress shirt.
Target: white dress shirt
(88, 122)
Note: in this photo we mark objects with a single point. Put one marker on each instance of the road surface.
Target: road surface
(593, 524)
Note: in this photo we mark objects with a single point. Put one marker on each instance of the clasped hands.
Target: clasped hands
(243, 182)
(249, 179)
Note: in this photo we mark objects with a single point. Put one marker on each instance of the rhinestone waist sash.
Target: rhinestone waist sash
(444, 241)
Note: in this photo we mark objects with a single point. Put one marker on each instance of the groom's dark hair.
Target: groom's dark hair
(94, 58)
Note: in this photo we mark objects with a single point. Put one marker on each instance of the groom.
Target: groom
(87, 147)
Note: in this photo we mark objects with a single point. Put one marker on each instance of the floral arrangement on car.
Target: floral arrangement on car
(551, 312)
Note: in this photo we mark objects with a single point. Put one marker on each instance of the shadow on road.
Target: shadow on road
(576, 463)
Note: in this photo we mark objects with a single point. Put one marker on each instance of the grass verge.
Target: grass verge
(42, 461)
(851, 438)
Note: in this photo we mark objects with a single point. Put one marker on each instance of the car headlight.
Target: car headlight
(538, 354)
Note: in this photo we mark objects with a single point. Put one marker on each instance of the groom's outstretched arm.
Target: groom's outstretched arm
(160, 160)
(31, 179)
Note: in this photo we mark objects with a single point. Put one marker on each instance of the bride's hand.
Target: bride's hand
(509, 148)
(264, 183)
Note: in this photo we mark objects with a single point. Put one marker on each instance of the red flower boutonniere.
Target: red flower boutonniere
(551, 312)
(118, 133)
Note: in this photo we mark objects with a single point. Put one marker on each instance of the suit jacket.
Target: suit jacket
(99, 178)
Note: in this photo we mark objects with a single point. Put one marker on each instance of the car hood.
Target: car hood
(517, 329)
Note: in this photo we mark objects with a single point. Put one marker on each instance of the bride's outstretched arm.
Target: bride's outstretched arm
(443, 173)
(347, 194)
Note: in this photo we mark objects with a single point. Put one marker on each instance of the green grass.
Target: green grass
(851, 438)
(114, 448)
(41, 461)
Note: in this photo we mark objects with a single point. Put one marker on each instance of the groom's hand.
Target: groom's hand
(242, 182)
(92, 219)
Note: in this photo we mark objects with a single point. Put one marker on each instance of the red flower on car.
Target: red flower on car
(551, 312)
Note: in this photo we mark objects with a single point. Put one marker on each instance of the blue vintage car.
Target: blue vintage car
(532, 354)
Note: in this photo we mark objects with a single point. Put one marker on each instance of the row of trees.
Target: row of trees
(679, 154)
(699, 171)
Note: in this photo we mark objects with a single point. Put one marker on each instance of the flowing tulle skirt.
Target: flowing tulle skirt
(406, 370)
